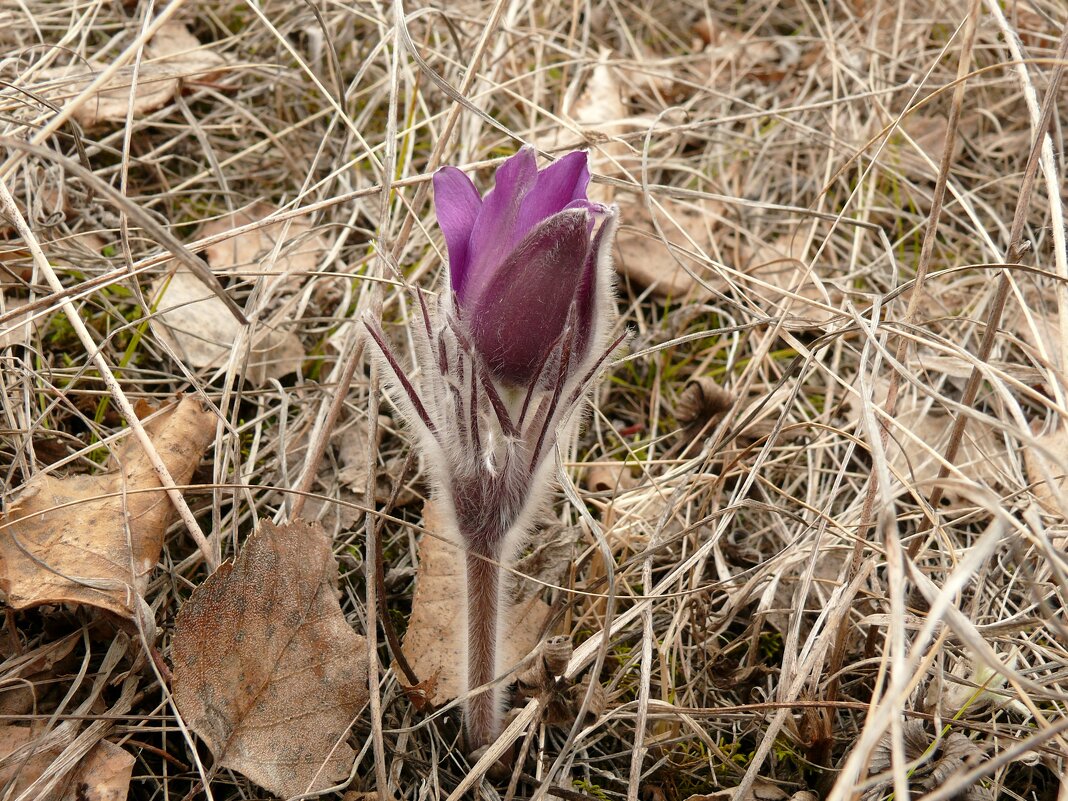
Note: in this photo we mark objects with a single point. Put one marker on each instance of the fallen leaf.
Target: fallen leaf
(267, 671)
(276, 256)
(172, 55)
(195, 323)
(549, 562)
(649, 261)
(609, 477)
(929, 134)
(701, 400)
(74, 540)
(781, 282)
(601, 114)
(1042, 332)
(762, 790)
(423, 694)
(174, 43)
(19, 329)
(935, 760)
(1034, 29)
(733, 55)
(252, 254)
(103, 775)
(1051, 495)
(21, 688)
(919, 436)
(433, 642)
(352, 452)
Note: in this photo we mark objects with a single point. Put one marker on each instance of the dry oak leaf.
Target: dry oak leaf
(433, 642)
(95, 540)
(103, 775)
(266, 669)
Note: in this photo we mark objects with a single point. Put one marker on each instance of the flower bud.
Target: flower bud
(525, 260)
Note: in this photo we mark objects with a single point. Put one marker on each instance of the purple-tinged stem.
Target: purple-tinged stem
(483, 593)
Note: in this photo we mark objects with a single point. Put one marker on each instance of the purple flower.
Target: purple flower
(524, 258)
(501, 367)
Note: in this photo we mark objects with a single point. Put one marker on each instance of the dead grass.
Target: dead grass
(770, 599)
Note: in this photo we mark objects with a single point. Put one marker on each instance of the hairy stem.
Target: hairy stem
(483, 592)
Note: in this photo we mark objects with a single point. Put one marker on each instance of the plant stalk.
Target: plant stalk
(483, 716)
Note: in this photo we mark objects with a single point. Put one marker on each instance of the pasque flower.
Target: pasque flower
(502, 364)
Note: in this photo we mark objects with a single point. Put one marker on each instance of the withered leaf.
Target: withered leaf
(26, 677)
(782, 282)
(252, 254)
(195, 323)
(433, 642)
(919, 437)
(266, 669)
(648, 260)
(172, 55)
(103, 775)
(1048, 492)
(278, 255)
(95, 539)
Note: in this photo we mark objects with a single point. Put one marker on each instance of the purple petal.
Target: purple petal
(525, 307)
(559, 184)
(491, 239)
(457, 203)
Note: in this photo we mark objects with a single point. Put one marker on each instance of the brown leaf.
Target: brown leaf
(251, 254)
(701, 400)
(733, 56)
(601, 114)
(433, 643)
(1050, 494)
(20, 329)
(267, 671)
(781, 282)
(352, 452)
(762, 790)
(649, 261)
(277, 256)
(608, 477)
(928, 132)
(74, 540)
(172, 55)
(103, 775)
(27, 677)
(196, 324)
(919, 437)
(422, 695)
